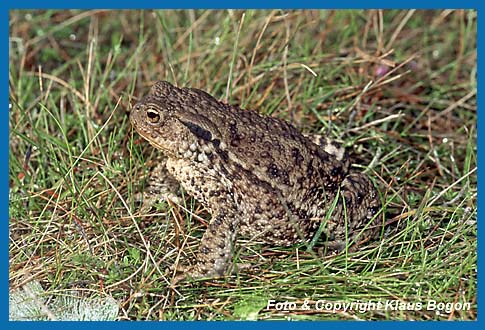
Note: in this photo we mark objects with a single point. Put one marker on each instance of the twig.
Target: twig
(375, 122)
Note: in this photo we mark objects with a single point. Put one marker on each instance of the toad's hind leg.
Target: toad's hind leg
(362, 204)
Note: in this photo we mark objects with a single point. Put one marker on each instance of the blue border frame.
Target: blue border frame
(220, 4)
(4, 138)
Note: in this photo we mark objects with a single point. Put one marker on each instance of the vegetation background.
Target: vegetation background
(398, 87)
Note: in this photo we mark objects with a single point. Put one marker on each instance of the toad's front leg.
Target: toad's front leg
(216, 248)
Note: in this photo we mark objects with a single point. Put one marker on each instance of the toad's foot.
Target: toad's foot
(161, 185)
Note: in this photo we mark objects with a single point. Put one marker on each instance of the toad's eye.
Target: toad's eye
(153, 116)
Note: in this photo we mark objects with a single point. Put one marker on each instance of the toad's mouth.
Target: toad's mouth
(154, 139)
(155, 143)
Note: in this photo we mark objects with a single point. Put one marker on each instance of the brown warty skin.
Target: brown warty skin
(258, 176)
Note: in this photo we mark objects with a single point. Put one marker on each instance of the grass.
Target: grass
(397, 87)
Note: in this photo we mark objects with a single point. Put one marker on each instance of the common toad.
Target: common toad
(258, 176)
